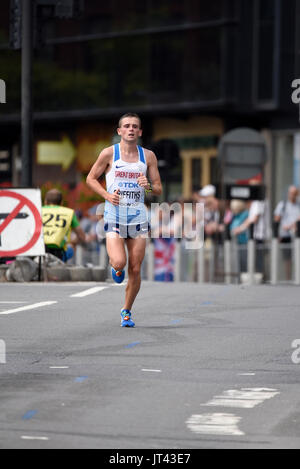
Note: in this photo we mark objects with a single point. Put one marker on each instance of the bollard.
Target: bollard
(297, 254)
(251, 255)
(275, 254)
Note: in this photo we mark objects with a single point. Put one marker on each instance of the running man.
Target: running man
(127, 167)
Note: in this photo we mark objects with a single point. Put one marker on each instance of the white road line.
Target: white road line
(215, 424)
(151, 371)
(40, 438)
(13, 302)
(246, 398)
(59, 367)
(28, 308)
(90, 291)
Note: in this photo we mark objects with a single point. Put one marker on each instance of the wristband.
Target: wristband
(149, 190)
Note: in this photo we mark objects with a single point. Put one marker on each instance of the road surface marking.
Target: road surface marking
(245, 398)
(28, 308)
(151, 371)
(226, 424)
(88, 292)
(215, 424)
(13, 302)
(29, 415)
(41, 438)
(81, 379)
(133, 344)
(59, 367)
(246, 374)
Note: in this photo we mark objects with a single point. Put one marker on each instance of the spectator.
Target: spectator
(287, 213)
(240, 215)
(211, 213)
(58, 221)
(259, 218)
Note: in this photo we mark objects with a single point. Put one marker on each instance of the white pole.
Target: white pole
(297, 261)
(274, 261)
(227, 261)
(177, 260)
(150, 261)
(251, 260)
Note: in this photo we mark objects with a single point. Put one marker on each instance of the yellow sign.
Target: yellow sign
(88, 152)
(56, 153)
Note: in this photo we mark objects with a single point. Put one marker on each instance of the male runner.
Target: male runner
(126, 166)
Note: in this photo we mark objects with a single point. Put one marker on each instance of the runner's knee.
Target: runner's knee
(134, 269)
(118, 264)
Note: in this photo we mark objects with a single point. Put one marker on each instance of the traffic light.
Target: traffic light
(15, 30)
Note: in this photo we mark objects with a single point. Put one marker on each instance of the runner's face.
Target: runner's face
(130, 129)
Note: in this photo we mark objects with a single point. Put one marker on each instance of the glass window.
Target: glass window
(264, 35)
(196, 173)
(126, 66)
(283, 171)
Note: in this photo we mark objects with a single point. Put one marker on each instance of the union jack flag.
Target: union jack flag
(164, 254)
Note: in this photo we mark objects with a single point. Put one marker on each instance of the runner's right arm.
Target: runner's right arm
(99, 168)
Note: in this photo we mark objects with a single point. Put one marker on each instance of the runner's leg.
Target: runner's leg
(116, 251)
(136, 253)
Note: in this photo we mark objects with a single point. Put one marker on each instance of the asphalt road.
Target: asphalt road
(206, 367)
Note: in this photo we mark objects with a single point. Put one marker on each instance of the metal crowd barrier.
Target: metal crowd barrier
(220, 261)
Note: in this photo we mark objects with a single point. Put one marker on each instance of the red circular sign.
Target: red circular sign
(37, 218)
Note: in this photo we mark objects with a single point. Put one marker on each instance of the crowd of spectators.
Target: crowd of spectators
(219, 220)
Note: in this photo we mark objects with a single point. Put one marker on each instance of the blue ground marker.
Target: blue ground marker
(29, 415)
(80, 379)
(133, 344)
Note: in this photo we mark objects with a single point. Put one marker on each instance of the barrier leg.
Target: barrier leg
(251, 260)
(177, 261)
(227, 261)
(274, 261)
(150, 261)
(297, 261)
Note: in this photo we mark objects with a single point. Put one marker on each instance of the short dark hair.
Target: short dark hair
(53, 197)
(130, 114)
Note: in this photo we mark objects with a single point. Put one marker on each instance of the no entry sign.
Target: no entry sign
(21, 228)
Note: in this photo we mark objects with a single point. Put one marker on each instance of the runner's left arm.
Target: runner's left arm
(155, 182)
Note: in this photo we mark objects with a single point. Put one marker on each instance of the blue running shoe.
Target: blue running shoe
(118, 275)
(126, 320)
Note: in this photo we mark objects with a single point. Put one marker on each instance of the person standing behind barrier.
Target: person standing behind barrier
(58, 221)
(240, 215)
(287, 213)
(214, 212)
(259, 218)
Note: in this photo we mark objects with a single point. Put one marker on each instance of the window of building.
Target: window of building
(283, 166)
(264, 51)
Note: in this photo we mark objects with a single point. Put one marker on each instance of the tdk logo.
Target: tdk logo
(2, 92)
(129, 185)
